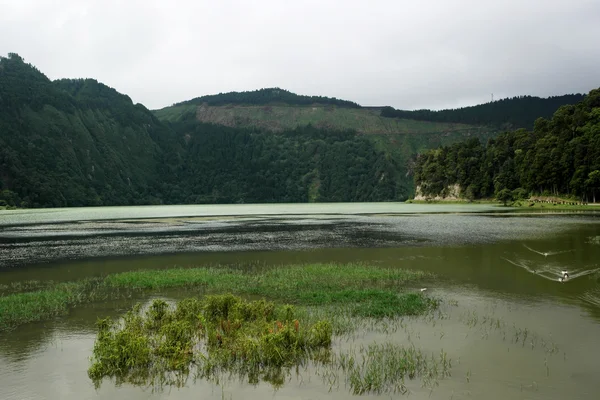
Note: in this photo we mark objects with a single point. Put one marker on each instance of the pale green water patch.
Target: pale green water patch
(54, 215)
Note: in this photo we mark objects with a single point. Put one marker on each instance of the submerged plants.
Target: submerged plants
(384, 368)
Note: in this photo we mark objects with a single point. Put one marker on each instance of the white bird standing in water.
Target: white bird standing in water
(564, 277)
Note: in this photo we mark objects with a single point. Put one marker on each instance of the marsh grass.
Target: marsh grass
(384, 368)
(55, 300)
(359, 290)
(256, 340)
(25, 286)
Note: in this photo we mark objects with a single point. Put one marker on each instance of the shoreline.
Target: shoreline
(518, 205)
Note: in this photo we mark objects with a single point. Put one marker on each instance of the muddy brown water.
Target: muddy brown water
(497, 271)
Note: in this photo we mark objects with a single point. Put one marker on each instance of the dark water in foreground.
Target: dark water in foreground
(501, 269)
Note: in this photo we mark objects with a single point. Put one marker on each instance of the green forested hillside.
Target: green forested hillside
(560, 156)
(267, 96)
(74, 143)
(398, 139)
(510, 113)
(81, 143)
(225, 165)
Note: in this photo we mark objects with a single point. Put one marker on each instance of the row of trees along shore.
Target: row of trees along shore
(559, 157)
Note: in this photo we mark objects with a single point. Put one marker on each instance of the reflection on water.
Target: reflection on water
(516, 331)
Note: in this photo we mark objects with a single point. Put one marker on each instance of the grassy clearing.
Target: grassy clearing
(282, 117)
(359, 290)
(256, 340)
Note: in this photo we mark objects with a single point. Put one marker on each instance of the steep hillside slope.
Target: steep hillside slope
(277, 118)
(235, 165)
(81, 143)
(278, 111)
(560, 156)
(74, 143)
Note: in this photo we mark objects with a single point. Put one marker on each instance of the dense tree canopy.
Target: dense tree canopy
(512, 113)
(227, 165)
(268, 96)
(560, 156)
(75, 143)
(79, 143)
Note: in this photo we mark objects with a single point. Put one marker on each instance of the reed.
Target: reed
(23, 307)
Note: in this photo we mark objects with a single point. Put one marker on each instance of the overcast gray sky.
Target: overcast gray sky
(407, 54)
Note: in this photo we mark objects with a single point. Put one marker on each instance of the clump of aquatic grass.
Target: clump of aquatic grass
(126, 349)
(284, 282)
(25, 286)
(23, 307)
(384, 368)
(214, 278)
(373, 303)
(361, 290)
(372, 291)
(254, 339)
(17, 309)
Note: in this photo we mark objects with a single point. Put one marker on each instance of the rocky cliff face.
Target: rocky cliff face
(451, 192)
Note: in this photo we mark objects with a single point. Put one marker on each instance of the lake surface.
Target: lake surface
(511, 329)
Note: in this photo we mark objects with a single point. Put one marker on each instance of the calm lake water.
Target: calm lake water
(512, 330)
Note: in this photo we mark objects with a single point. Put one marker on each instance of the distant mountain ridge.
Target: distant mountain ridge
(255, 108)
(267, 96)
(77, 142)
(510, 113)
